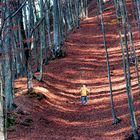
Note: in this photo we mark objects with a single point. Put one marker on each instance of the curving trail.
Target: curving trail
(60, 116)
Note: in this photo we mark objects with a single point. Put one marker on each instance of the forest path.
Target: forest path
(61, 116)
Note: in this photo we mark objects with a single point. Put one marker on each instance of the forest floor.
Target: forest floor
(59, 115)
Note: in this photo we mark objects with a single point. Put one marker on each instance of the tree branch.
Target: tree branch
(12, 15)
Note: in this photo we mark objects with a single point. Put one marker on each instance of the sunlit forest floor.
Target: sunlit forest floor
(59, 114)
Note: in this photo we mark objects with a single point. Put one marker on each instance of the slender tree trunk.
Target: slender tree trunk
(2, 135)
(78, 13)
(115, 119)
(82, 11)
(56, 27)
(132, 49)
(6, 65)
(116, 3)
(22, 55)
(67, 15)
(137, 3)
(23, 33)
(72, 13)
(36, 36)
(128, 81)
(85, 7)
(61, 28)
(42, 41)
(29, 67)
(47, 18)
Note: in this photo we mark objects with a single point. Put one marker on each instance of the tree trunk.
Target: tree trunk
(2, 132)
(6, 63)
(121, 40)
(42, 41)
(115, 119)
(137, 3)
(56, 27)
(29, 67)
(85, 8)
(133, 55)
(47, 18)
(128, 81)
(78, 13)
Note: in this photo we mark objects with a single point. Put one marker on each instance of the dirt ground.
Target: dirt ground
(60, 116)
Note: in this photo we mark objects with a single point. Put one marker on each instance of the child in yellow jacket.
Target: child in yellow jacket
(84, 94)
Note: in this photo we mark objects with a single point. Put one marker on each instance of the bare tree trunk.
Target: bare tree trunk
(78, 13)
(7, 74)
(42, 40)
(29, 67)
(133, 55)
(56, 27)
(2, 132)
(128, 81)
(114, 116)
(47, 18)
(86, 8)
(137, 4)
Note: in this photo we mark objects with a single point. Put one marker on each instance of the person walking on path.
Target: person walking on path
(84, 94)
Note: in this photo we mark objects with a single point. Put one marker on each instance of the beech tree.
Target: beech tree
(23, 31)
(122, 13)
(128, 74)
(29, 27)
(114, 115)
(26, 26)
